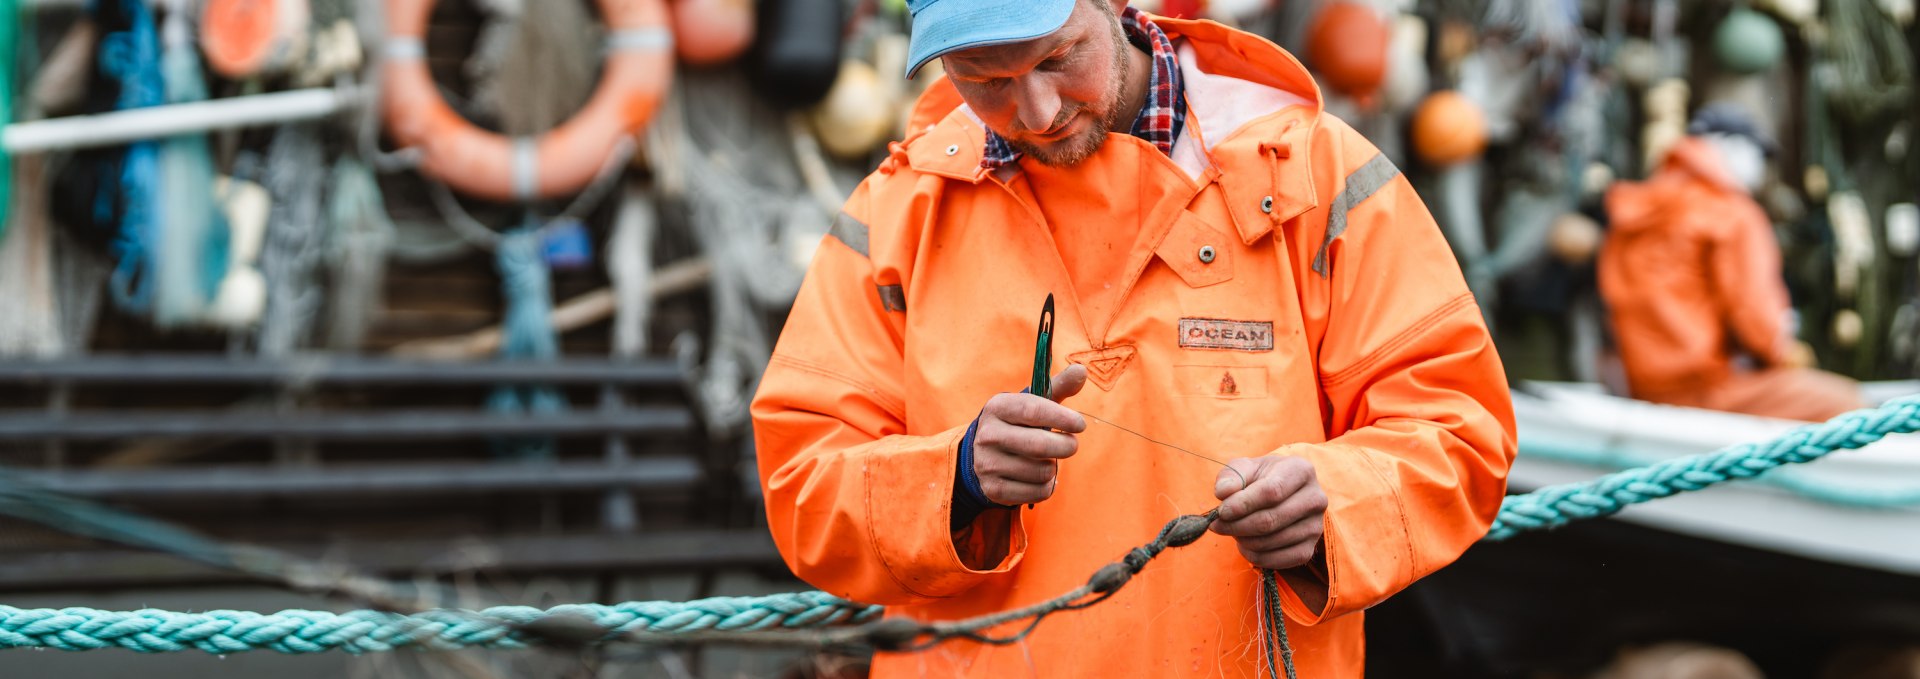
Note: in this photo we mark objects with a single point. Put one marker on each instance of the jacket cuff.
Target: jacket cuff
(969, 500)
(916, 541)
(1364, 516)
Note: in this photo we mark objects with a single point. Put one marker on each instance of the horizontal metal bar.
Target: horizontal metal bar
(193, 369)
(680, 550)
(99, 426)
(228, 483)
(156, 122)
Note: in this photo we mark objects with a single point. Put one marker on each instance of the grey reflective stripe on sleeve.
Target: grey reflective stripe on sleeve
(851, 232)
(893, 297)
(1361, 185)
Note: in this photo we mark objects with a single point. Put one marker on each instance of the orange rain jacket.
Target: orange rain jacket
(1331, 323)
(1691, 273)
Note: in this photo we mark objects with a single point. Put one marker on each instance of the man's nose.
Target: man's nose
(1038, 104)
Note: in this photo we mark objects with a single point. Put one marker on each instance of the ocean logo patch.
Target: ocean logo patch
(1214, 333)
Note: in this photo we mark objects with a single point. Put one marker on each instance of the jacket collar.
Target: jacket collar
(952, 148)
(1268, 156)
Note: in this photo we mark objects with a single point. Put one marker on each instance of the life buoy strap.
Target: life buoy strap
(526, 167)
(405, 48)
(640, 39)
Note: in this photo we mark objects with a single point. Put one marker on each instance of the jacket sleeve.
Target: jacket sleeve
(857, 506)
(1748, 285)
(1420, 423)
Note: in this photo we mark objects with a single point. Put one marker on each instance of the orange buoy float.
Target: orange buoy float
(1347, 46)
(562, 160)
(245, 38)
(1448, 128)
(708, 32)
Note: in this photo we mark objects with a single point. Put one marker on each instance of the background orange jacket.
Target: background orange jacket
(1691, 273)
(1332, 323)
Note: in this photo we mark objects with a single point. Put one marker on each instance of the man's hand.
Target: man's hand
(1799, 355)
(1277, 517)
(1022, 438)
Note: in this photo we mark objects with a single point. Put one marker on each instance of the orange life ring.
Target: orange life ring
(474, 161)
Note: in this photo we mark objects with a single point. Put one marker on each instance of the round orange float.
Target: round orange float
(484, 164)
(244, 38)
(708, 32)
(1347, 46)
(1448, 128)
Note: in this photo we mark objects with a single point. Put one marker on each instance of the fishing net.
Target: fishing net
(731, 158)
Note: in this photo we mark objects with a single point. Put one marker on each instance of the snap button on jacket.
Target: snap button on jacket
(1331, 324)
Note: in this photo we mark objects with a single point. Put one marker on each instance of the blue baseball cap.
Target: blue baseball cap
(1729, 118)
(942, 26)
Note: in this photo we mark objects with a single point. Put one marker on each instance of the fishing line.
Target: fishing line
(1149, 439)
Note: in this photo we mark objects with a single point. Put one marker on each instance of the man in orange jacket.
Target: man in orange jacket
(1691, 273)
(1239, 275)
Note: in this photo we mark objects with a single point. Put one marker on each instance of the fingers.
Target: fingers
(1306, 529)
(1291, 556)
(1015, 468)
(1277, 519)
(1027, 410)
(1274, 480)
(1010, 492)
(1234, 476)
(1025, 441)
(1068, 382)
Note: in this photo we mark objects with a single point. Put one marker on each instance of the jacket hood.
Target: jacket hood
(1697, 158)
(1692, 166)
(1238, 54)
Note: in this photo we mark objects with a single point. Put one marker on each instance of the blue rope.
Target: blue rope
(297, 631)
(526, 333)
(132, 59)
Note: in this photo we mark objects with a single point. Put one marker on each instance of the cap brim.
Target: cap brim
(944, 27)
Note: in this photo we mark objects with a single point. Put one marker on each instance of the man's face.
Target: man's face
(1055, 97)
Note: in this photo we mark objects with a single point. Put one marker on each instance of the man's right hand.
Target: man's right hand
(1022, 438)
(1799, 355)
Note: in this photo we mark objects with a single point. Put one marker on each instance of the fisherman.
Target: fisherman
(1240, 276)
(1691, 273)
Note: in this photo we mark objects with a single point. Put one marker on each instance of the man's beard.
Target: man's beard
(1075, 149)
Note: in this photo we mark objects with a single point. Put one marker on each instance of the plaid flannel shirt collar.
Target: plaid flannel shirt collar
(1163, 117)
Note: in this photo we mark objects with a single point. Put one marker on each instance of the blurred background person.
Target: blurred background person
(1691, 274)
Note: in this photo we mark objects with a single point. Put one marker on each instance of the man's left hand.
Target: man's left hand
(1277, 515)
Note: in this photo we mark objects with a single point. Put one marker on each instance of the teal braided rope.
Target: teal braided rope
(506, 627)
(1554, 506)
(363, 631)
